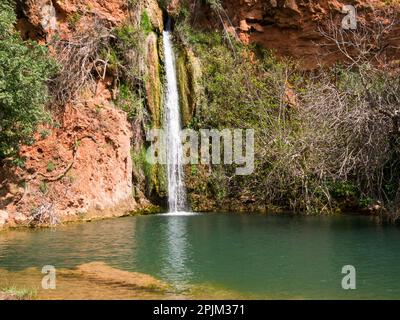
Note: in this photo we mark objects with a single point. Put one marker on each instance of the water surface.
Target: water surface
(259, 256)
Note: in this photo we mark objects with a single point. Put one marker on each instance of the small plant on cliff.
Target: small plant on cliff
(43, 187)
(81, 62)
(25, 67)
(145, 23)
(51, 166)
(128, 101)
(73, 20)
(44, 133)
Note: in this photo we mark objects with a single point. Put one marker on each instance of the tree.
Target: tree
(25, 67)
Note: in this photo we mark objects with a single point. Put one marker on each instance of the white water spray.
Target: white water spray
(176, 185)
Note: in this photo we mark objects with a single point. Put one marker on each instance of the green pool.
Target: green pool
(256, 255)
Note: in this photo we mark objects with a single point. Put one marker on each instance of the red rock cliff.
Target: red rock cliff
(81, 168)
(289, 27)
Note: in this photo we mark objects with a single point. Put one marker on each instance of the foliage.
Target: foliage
(25, 67)
(242, 94)
(74, 19)
(145, 23)
(358, 137)
(51, 166)
(43, 187)
(128, 101)
(80, 62)
(128, 52)
(335, 142)
(127, 37)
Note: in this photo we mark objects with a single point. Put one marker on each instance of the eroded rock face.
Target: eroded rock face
(173, 7)
(153, 83)
(289, 27)
(64, 15)
(41, 18)
(81, 168)
(155, 13)
(188, 70)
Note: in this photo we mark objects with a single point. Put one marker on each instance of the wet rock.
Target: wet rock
(173, 7)
(99, 272)
(188, 70)
(155, 13)
(153, 85)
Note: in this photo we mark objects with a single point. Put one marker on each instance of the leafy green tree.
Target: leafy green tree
(25, 67)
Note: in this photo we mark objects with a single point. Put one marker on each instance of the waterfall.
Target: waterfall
(172, 124)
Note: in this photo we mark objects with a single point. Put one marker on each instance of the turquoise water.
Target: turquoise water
(257, 255)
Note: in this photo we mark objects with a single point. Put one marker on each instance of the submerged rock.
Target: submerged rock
(97, 281)
(100, 272)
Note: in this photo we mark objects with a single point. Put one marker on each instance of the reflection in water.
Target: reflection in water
(282, 257)
(175, 256)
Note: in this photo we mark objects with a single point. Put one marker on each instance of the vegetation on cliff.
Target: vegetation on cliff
(325, 141)
(102, 67)
(25, 68)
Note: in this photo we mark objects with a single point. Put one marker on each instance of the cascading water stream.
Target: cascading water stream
(174, 149)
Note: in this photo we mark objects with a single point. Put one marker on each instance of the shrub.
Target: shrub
(145, 23)
(51, 166)
(337, 144)
(25, 67)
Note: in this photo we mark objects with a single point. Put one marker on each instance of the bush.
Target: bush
(242, 90)
(24, 69)
(336, 144)
(145, 23)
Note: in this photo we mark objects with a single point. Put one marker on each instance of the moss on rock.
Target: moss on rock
(189, 75)
(153, 79)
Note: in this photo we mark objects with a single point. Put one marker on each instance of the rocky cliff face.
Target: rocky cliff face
(75, 172)
(80, 168)
(289, 27)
